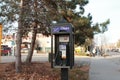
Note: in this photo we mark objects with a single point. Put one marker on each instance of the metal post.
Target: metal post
(64, 73)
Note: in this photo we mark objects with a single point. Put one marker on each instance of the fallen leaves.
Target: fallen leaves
(40, 71)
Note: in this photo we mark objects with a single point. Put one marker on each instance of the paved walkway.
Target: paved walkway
(104, 68)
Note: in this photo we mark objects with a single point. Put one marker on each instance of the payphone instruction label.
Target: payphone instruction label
(64, 38)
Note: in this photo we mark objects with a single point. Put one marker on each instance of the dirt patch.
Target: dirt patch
(40, 71)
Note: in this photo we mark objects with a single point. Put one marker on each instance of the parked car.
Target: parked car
(5, 50)
(25, 47)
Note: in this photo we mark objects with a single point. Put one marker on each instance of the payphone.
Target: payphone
(62, 45)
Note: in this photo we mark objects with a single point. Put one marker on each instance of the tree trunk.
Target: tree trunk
(19, 41)
(18, 52)
(29, 57)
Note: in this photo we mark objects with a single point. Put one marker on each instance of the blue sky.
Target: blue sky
(101, 10)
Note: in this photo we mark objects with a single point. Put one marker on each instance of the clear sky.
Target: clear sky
(101, 10)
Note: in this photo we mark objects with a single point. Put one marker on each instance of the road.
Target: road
(43, 58)
(105, 68)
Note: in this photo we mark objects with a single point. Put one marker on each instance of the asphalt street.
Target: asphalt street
(105, 68)
(43, 58)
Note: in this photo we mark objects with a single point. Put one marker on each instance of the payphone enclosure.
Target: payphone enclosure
(62, 45)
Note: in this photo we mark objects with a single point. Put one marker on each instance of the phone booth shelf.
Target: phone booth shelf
(62, 45)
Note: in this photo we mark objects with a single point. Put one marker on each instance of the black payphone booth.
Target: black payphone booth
(62, 45)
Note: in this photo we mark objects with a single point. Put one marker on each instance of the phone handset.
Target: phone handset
(63, 54)
(63, 51)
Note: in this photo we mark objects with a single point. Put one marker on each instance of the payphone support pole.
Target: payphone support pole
(64, 73)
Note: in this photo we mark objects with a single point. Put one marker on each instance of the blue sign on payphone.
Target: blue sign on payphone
(61, 28)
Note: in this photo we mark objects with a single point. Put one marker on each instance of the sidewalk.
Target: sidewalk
(104, 68)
